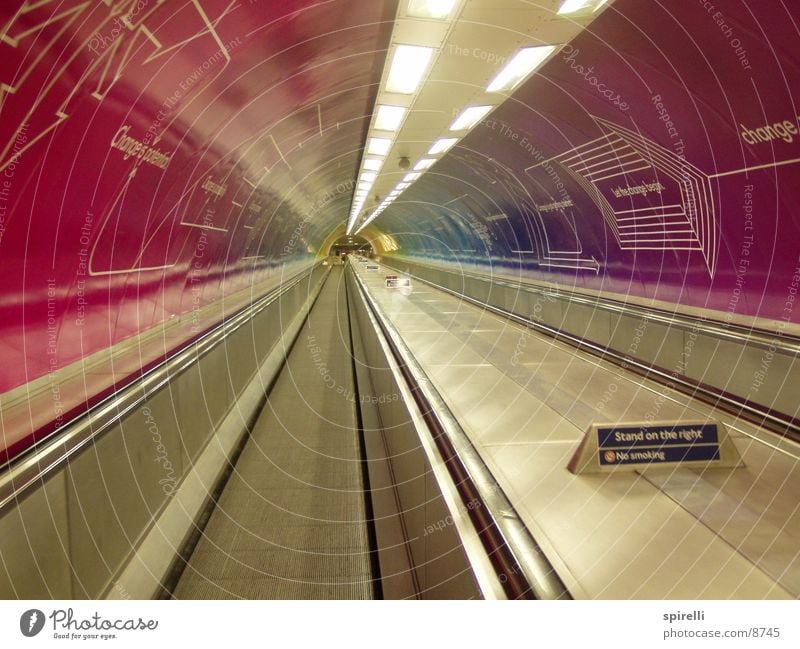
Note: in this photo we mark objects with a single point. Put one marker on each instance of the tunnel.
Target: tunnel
(399, 299)
(347, 244)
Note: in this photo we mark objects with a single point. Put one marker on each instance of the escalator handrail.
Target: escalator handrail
(754, 336)
(31, 468)
(522, 567)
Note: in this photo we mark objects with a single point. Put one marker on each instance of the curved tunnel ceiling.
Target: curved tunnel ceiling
(159, 156)
(163, 161)
(655, 157)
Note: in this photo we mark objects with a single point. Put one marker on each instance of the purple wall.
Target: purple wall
(637, 162)
(131, 138)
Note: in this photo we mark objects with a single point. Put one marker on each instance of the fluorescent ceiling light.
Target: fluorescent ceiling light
(410, 178)
(442, 145)
(470, 117)
(389, 118)
(368, 176)
(402, 186)
(425, 163)
(409, 65)
(379, 146)
(574, 6)
(373, 164)
(438, 9)
(520, 66)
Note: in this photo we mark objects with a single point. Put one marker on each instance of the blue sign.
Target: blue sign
(655, 444)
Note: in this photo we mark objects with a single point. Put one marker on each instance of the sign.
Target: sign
(372, 267)
(393, 281)
(631, 446)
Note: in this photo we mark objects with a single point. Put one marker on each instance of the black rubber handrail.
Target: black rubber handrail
(522, 569)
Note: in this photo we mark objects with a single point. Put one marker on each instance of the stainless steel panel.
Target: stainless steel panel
(34, 545)
(114, 490)
(725, 364)
(242, 358)
(204, 397)
(653, 343)
(587, 322)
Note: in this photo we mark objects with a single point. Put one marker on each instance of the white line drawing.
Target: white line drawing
(744, 170)
(112, 208)
(102, 65)
(690, 225)
(535, 224)
(203, 227)
(625, 155)
(280, 153)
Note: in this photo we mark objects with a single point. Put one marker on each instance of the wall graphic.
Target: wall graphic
(160, 160)
(657, 157)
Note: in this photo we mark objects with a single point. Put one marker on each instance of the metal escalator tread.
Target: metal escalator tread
(291, 522)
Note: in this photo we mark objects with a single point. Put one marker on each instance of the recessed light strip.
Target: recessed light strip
(409, 66)
(442, 145)
(436, 9)
(469, 117)
(579, 6)
(389, 118)
(521, 65)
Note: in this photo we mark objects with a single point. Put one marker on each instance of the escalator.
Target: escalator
(293, 518)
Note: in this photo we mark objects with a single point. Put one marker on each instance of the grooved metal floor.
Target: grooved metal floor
(290, 523)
